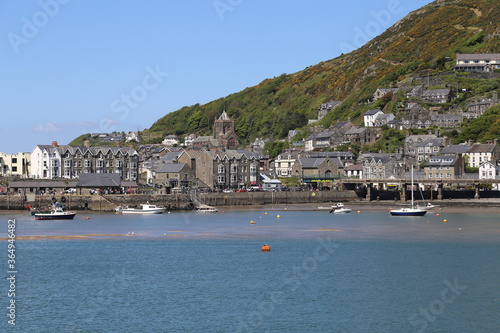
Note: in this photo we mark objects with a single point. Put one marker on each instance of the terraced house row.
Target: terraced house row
(54, 161)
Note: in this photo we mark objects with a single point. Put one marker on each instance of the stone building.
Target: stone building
(234, 169)
(224, 132)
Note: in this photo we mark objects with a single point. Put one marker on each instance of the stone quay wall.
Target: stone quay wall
(173, 201)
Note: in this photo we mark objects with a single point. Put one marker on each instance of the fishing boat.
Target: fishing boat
(146, 208)
(206, 209)
(340, 209)
(412, 210)
(56, 213)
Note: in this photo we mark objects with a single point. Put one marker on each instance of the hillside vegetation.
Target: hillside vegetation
(422, 45)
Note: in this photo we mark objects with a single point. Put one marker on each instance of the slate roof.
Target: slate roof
(442, 160)
(311, 163)
(455, 149)
(99, 180)
(371, 112)
(171, 168)
(431, 142)
(481, 148)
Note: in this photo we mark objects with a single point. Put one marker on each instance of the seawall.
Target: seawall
(173, 201)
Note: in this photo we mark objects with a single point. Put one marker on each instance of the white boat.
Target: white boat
(206, 209)
(145, 209)
(340, 209)
(412, 210)
(427, 206)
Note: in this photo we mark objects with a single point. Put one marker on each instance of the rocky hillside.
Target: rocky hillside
(418, 48)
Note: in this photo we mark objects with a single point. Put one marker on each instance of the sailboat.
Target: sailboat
(412, 210)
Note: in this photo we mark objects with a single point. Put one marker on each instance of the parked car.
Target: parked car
(70, 190)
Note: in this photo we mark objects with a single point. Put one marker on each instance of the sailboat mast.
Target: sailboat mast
(412, 186)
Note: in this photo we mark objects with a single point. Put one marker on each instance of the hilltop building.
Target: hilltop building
(486, 62)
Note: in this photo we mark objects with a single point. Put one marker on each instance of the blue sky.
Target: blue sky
(70, 67)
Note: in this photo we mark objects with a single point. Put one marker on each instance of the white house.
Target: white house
(45, 162)
(284, 162)
(170, 140)
(370, 116)
(488, 170)
(189, 139)
(132, 136)
(479, 62)
(482, 152)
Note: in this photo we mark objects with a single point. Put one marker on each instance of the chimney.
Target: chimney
(445, 140)
(86, 143)
(54, 144)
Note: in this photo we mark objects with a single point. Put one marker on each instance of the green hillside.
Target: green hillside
(422, 45)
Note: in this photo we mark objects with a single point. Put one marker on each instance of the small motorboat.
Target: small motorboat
(56, 213)
(340, 209)
(206, 209)
(427, 206)
(146, 208)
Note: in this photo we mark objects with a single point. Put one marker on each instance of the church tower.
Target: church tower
(224, 132)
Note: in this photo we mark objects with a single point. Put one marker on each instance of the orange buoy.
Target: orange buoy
(437, 215)
(445, 221)
(87, 218)
(265, 248)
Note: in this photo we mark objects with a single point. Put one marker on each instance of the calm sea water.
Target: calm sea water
(190, 272)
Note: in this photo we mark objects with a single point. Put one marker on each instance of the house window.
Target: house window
(87, 163)
(221, 179)
(234, 178)
(234, 169)
(67, 173)
(220, 168)
(54, 163)
(67, 163)
(99, 163)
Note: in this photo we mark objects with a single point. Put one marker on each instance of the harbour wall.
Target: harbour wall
(172, 201)
(180, 201)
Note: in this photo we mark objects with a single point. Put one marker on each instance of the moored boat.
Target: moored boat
(144, 209)
(56, 213)
(427, 206)
(340, 209)
(206, 209)
(412, 210)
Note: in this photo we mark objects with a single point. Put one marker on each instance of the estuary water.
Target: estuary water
(365, 271)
